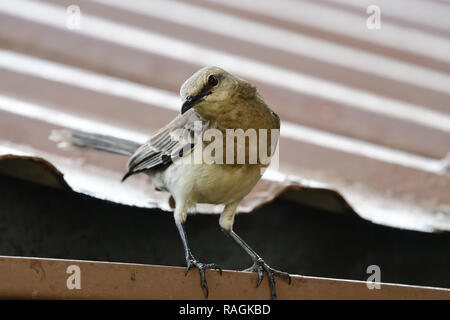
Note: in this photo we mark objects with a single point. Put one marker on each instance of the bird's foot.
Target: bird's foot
(261, 267)
(191, 262)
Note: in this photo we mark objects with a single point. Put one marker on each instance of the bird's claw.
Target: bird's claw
(191, 262)
(261, 267)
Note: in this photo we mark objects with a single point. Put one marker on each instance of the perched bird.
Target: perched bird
(216, 103)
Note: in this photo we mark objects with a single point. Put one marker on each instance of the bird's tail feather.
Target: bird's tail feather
(67, 137)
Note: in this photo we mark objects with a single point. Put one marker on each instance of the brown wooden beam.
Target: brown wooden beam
(35, 278)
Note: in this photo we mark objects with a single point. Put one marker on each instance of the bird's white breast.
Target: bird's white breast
(206, 183)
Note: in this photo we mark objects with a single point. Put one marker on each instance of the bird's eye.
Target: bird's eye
(212, 80)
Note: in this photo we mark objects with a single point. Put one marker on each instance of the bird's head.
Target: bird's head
(212, 90)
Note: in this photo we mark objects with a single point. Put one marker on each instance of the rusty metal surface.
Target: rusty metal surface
(366, 121)
(48, 278)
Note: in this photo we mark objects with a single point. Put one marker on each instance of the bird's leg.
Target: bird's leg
(192, 262)
(259, 266)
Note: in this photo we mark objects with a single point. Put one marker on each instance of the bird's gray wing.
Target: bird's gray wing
(170, 143)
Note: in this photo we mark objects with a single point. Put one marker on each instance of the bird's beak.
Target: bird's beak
(188, 104)
(191, 101)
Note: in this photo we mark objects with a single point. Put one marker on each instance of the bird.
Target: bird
(217, 103)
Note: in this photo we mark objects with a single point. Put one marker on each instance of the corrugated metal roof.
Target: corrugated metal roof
(365, 113)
